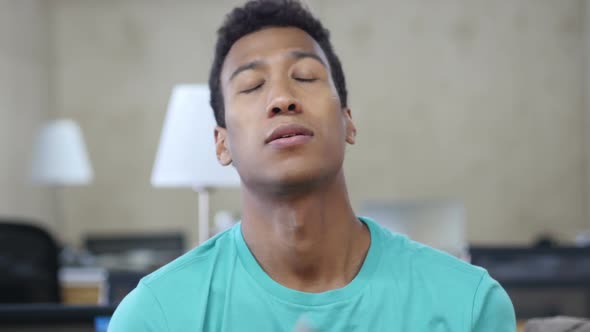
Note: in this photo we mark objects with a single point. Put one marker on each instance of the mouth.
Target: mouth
(288, 135)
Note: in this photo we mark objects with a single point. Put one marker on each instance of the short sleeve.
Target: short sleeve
(139, 311)
(492, 308)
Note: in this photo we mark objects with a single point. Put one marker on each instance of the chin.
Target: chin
(297, 179)
(295, 176)
(291, 174)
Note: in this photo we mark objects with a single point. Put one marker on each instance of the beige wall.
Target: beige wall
(476, 100)
(116, 64)
(24, 105)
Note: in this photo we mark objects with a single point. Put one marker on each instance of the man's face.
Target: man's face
(284, 121)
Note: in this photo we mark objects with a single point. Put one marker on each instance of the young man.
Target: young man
(300, 259)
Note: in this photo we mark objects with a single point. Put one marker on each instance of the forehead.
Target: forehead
(268, 43)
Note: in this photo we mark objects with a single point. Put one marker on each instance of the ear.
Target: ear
(350, 127)
(222, 146)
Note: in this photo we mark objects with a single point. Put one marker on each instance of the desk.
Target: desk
(542, 282)
(50, 317)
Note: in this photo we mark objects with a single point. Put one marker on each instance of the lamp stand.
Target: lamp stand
(203, 197)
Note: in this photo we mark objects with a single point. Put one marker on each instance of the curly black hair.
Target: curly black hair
(256, 15)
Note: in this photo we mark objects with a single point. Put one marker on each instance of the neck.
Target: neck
(310, 241)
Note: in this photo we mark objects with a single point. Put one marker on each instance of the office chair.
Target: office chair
(28, 264)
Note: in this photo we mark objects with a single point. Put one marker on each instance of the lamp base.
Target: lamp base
(203, 222)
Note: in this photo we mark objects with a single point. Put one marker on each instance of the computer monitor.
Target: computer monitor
(436, 223)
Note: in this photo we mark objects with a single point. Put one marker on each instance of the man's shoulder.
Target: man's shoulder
(436, 261)
(414, 257)
(196, 264)
(168, 295)
(444, 284)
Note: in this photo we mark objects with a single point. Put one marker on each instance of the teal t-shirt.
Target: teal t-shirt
(402, 286)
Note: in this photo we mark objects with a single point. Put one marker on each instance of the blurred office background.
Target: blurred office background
(482, 103)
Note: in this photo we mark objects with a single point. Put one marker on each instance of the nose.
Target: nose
(283, 105)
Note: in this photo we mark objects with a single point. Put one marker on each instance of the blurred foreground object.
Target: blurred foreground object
(186, 155)
(558, 324)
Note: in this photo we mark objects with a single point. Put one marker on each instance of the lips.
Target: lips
(288, 131)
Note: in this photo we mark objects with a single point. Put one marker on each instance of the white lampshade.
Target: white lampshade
(59, 155)
(186, 155)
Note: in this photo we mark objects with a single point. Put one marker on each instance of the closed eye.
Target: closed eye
(252, 89)
(300, 79)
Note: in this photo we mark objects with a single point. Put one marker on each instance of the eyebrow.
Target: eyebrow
(302, 55)
(250, 65)
(294, 54)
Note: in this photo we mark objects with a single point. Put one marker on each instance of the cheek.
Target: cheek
(336, 116)
(243, 109)
(333, 130)
(242, 129)
(236, 116)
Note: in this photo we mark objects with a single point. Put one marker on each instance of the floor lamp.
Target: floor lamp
(60, 158)
(186, 153)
